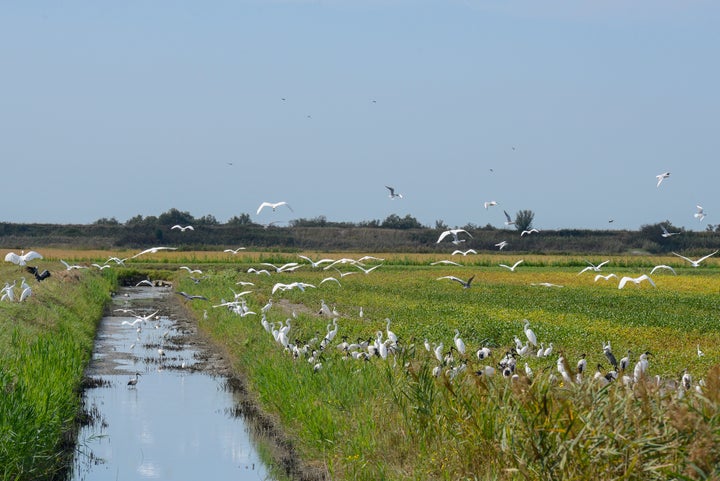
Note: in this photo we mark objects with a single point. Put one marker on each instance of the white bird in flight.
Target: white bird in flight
(593, 267)
(446, 262)
(607, 277)
(464, 253)
(454, 233)
(501, 245)
(700, 214)
(153, 250)
(392, 194)
(697, 262)
(662, 177)
(635, 280)
(665, 232)
(490, 203)
(508, 220)
(512, 268)
(662, 266)
(182, 228)
(465, 284)
(234, 251)
(530, 231)
(21, 259)
(274, 206)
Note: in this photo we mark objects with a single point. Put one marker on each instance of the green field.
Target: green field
(390, 417)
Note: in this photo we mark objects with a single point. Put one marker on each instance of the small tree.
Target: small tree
(524, 220)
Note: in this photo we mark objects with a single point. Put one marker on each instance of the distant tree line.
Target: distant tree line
(394, 233)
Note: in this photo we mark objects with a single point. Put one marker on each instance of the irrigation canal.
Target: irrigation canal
(180, 421)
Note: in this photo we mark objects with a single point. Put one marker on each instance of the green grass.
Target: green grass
(391, 419)
(45, 343)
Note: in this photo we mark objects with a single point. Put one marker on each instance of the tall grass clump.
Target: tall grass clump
(46, 343)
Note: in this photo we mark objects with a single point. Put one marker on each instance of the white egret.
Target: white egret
(635, 280)
(234, 251)
(445, 262)
(697, 262)
(665, 232)
(501, 245)
(699, 352)
(529, 231)
(641, 366)
(455, 234)
(22, 259)
(190, 270)
(607, 277)
(182, 228)
(700, 214)
(273, 206)
(490, 203)
(459, 343)
(508, 219)
(661, 177)
(530, 333)
(662, 266)
(317, 263)
(593, 267)
(512, 268)
(465, 284)
(153, 250)
(391, 335)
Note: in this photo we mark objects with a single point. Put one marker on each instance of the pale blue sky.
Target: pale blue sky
(566, 108)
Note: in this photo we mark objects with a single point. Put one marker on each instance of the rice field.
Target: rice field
(391, 418)
(408, 416)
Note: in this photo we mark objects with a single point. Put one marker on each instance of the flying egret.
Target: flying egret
(191, 297)
(393, 195)
(317, 263)
(22, 259)
(529, 231)
(70, 267)
(635, 280)
(191, 271)
(501, 245)
(464, 253)
(593, 267)
(607, 277)
(697, 262)
(454, 232)
(700, 214)
(662, 177)
(665, 232)
(508, 219)
(446, 262)
(273, 205)
(182, 228)
(512, 268)
(465, 284)
(490, 203)
(234, 251)
(662, 266)
(153, 250)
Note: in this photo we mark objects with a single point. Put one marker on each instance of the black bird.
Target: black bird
(36, 272)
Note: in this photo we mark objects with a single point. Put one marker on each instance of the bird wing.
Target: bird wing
(645, 277)
(507, 216)
(452, 278)
(12, 257)
(624, 281)
(28, 256)
(392, 191)
(263, 205)
(705, 257)
(662, 266)
(689, 260)
(443, 235)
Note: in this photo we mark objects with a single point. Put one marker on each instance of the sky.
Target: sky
(566, 108)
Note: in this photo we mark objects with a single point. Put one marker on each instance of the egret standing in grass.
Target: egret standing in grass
(459, 343)
(532, 338)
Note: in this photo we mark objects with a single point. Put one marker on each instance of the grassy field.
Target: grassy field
(391, 417)
(45, 343)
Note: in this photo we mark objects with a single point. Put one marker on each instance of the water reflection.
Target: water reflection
(173, 425)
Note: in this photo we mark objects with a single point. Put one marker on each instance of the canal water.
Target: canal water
(179, 421)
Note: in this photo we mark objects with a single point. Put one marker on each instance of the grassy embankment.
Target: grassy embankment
(391, 419)
(45, 343)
